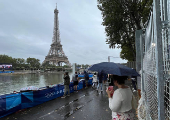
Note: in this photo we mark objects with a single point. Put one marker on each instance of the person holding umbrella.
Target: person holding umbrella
(120, 102)
(100, 81)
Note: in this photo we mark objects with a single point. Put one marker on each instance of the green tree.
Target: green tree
(78, 65)
(121, 19)
(66, 66)
(20, 62)
(5, 59)
(45, 64)
(33, 62)
(14, 63)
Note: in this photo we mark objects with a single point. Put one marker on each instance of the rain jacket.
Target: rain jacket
(100, 75)
(86, 75)
(66, 80)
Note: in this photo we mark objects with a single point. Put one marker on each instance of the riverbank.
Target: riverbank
(31, 72)
(86, 104)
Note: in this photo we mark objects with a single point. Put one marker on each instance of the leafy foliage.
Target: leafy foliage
(121, 19)
(20, 62)
(33, 62)
(5, 59)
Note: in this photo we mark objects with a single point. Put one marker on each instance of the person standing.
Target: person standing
(75, 81)
(134, 83)
(105, 76)
(86, 76)
(94, 80)
(66, 84)
(100, 81)
(120, 102)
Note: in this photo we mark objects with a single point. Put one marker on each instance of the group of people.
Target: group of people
(99, 79)
(119, 100)
(75, 80)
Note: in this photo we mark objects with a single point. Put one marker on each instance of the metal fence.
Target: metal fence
(153, 59)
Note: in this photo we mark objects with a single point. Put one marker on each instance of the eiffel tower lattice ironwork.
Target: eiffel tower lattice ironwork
(56, 55)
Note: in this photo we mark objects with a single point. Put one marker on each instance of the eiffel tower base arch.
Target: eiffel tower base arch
(57, 60)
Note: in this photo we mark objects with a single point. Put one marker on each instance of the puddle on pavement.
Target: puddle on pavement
(73, 111)
(67, 105)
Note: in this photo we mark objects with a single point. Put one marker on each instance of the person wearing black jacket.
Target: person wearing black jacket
(100, 81)
(75, 81)
(66, 84)
(86, 76)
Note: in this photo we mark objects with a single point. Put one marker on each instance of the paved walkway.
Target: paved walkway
(86, 104)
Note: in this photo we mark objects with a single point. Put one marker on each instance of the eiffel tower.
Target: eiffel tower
(56, 55)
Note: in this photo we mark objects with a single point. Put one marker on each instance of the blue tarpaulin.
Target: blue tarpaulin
(9, 104)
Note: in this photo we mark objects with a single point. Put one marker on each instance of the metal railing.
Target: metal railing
(153, 60)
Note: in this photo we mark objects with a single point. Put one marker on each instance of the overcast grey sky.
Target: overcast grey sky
(26, 30)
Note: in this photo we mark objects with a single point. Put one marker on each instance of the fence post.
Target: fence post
(138, 50)
(142, 54)
(159, 59)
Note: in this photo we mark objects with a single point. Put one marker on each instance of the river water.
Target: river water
(10, 83)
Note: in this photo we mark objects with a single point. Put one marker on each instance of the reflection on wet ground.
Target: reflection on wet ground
(71, 107)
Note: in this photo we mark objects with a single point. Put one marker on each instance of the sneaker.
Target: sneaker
(63, 97)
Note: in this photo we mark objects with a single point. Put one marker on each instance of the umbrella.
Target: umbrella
(114, 68)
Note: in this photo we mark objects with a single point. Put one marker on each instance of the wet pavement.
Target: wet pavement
(87, 104)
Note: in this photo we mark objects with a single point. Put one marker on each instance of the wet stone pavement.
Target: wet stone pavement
(87, 104)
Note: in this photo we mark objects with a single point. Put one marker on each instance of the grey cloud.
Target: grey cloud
(27, 29)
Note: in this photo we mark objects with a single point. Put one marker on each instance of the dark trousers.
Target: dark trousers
(134, 84)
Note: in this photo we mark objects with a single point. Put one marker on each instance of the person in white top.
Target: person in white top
(94, 80)
(120, 102)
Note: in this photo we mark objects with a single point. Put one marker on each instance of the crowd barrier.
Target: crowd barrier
(90, 75)
(11, 103)
(6, 71)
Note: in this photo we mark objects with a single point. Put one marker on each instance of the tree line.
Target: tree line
(29, 63)
(82, 65)
(17, 63)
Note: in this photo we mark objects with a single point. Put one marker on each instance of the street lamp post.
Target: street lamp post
(111, 56)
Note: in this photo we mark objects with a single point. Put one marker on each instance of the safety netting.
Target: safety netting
(150, 75)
